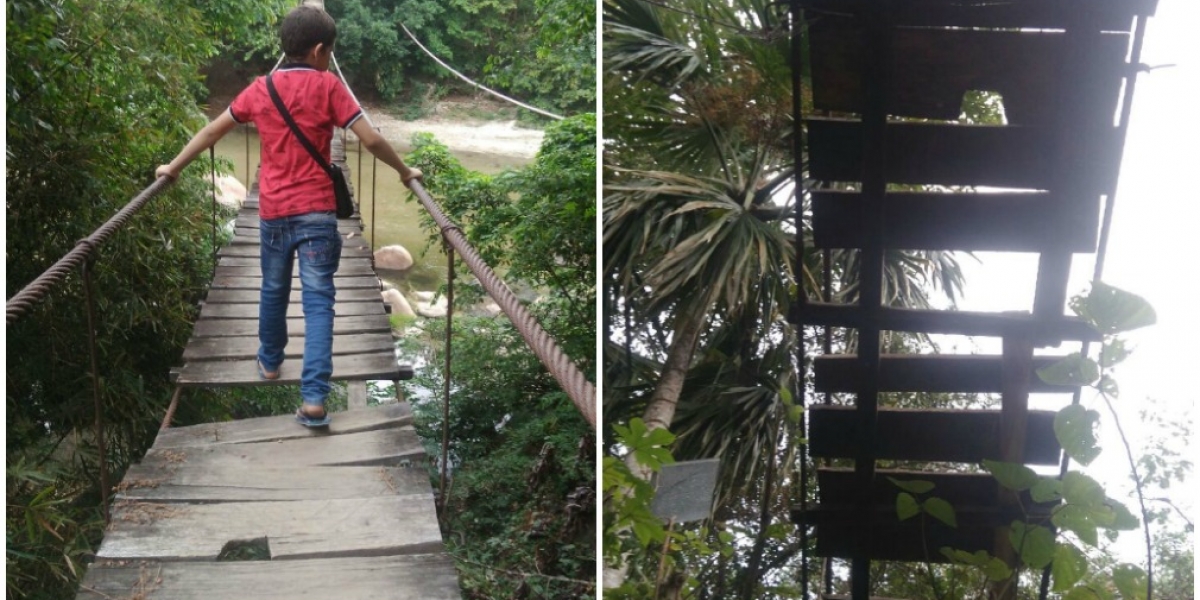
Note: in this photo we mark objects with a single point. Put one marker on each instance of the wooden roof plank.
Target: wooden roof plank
(965, 436)
(965, 373)
(1003, 222)
(1050, 332)
(1116, 15)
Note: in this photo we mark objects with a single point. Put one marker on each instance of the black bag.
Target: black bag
(341, 190)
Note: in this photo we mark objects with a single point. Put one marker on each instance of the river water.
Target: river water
(389, 217)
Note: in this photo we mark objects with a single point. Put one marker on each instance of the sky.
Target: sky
(1153, 250)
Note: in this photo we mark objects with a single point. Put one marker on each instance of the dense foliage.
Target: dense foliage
(97, 95)
(520, 506)
(540, 51)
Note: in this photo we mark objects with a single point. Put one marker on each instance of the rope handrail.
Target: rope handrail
(480, 86)
(581, 391)
(36, 290)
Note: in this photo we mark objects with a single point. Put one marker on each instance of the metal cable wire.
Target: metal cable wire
(36, 290)
(581, 391)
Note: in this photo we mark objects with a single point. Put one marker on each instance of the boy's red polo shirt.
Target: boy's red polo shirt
(290, 182)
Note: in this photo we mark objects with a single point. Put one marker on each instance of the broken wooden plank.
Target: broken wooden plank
(927, 153)
(1114, 15)
(1024, 67)
(255, 283)
(246, 347)
(252, 296)
(1046, 332)
(411, 577)
(1002, 222)
(283, 427)
(295, 325)
(295, 529)
(935, 373)
(966, 436)
(238, 372)
(182, 483)
(212, 310)
(391, 447)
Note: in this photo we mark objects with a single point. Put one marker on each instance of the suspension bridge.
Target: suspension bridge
(265, 508)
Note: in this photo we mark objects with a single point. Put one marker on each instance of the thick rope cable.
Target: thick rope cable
(36, 290)
(573, 382)
(480, 86)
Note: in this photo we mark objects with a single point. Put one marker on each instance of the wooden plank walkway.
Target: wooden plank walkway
(342, 513)
(224, 343)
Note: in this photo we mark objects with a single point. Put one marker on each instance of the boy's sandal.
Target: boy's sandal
(311, 421)
(263, 373)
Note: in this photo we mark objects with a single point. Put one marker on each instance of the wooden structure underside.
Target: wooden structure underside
(895, 169)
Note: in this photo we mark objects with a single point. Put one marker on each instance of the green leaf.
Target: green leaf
(1081, 489)
(996, 570)
(1130, 581)
(1074, 426)
(1123, 519)
(1113, 352)
(1069, 566)
(1087, 592)
(1047, 489)
(1078, 520)
(1108, 387)
(906, 506)
(1012, 476)
(914, 486)
(1074, 369)
(940, 510)
(1034, 543)
(1113, 310)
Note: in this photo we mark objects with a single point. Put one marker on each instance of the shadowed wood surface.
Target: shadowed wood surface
(933, 373)
(967, 436)
(329, 531)
(412, 577)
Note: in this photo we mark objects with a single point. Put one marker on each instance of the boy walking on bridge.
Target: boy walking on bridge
(296, 198)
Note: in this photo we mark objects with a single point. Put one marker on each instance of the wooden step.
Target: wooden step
(965, 436)
(935, 373)
(252, 296)
(342, 325)
(295, 309)
(1044, 332)
(346, 268)
(381, 365)
(935, 67)
(246, 346)
(1020, 157)
(1112, 15)
(412, 577)
(355, 282)
(283, 427)
(1001, 222)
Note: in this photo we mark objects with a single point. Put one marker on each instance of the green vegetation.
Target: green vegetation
(542, 52)
(520, 505)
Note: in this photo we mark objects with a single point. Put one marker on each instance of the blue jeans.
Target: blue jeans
(315, 239)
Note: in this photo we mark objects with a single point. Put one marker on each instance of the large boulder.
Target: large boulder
(398, 302)
(393, 258)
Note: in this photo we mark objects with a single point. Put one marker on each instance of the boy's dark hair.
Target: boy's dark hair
(304, 28)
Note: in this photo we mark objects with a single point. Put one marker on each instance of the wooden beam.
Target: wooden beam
(1013, 14)
(934, 373)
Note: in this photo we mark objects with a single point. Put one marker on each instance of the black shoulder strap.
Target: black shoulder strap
(292, 124)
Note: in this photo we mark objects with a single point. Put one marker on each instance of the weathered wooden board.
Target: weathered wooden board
(1112, 15)
(967, 373)
(380, 447)
(923, 153)
(892, 539)
(249, 219)
(1023, 222)
(255, 283)
(243, 327)
(246, 347)
(966, 436)
(252, 250)
(297, 529)
(252, 296)
(838, 488)
(959, 322)
(346, 367)
(246, 237)
(295, 310)
(254, 261)
(259, 484)
(347, 268)
(413, 577)
(1025, 67)
(283, 427)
